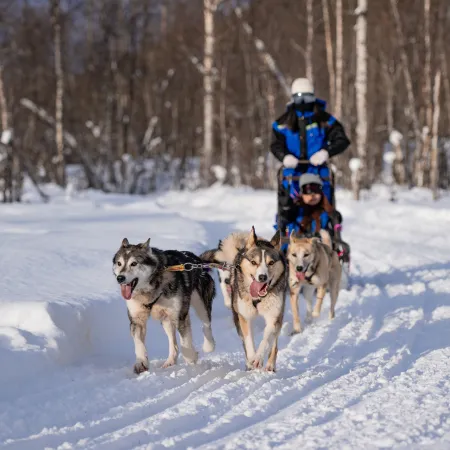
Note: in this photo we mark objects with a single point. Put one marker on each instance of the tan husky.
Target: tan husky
(258, 283)
(313, 265)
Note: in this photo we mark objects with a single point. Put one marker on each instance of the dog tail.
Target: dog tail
(207, 290)
(209, 255)
(227, 250)
(326, 239)
(230, 246)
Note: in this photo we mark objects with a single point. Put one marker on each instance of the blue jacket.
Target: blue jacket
(302, 135)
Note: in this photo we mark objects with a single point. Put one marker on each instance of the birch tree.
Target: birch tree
(209, 8)
(309, 40)
(339, 58)
(423, 158)
(55, 13)
(330, 52)
(361, 90)
(435, 135)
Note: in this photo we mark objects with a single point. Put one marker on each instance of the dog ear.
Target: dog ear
(276, 240)
(145, 245)
(251, 241)
(315, 242)
(293, 236)
(125, 242)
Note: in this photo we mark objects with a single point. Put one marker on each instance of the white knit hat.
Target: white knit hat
(303, 86)
(310, 178)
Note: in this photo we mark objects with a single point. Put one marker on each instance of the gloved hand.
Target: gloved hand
(319, 158)
(290, 162)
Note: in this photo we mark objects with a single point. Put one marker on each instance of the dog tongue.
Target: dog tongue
(256, 288)
(300, 276)
(126, 291)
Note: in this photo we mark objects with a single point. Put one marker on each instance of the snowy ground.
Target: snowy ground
(378, 376)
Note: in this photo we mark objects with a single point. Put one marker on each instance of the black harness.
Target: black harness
(256, 301)
(150, 305)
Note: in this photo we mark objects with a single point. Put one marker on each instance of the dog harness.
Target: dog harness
(150, 305)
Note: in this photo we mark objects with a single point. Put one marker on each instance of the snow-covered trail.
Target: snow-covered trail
(378, 376)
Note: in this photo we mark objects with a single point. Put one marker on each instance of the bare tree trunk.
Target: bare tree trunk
(329, 49)
(223, 118)
(4, 119)
(395, 137)
(443, 13)
(446, 79)
(209, 7)
(339, 58)
(422, 160)
(435, 135)
(6, 145)
(361, 90)
(59, 102)
(408, 79)
(309, 40)
(265, 55)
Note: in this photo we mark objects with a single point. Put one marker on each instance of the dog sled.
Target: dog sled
(341, 247)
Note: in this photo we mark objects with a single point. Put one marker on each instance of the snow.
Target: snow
(377, 376)
(6, 136)
(354, 164)
(395, 137)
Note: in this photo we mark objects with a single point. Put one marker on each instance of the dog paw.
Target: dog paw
(270, 368)
(316, 314)
(331, 315)
(255, 363)
(209, 346)
(140, 366)
(190, 356)
(169, 363)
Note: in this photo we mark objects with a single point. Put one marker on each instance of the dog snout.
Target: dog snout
(120, 278)
(262, 278)
(299, 268)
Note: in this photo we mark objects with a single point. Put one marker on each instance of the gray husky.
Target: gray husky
(151, 290)
(258, 279)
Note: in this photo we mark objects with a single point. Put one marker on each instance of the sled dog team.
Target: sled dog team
(254, 278)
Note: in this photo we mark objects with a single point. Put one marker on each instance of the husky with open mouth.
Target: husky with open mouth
(258, 280)
(152, 291)
(313, 266)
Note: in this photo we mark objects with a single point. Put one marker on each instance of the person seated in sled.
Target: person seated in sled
(304, 138)
(314, 212)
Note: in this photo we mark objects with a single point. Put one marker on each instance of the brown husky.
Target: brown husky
(258, 283)
(313, 265)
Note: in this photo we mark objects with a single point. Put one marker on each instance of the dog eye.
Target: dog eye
(254, 263)
(305, 255)
(294, 255)
(134, 263)
(119, 264)
(271, 263)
